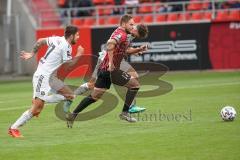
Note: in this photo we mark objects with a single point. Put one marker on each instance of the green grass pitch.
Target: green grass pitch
(198, 133)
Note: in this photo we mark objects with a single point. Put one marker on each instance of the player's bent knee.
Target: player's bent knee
(96, 96)
(90, 85)
(36, 114)
(65, 91)
(36, 110)
(134, 75)
(134, 84)
(69, 97)
(97, 93)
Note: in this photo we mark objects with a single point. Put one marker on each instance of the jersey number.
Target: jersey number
(49, 51)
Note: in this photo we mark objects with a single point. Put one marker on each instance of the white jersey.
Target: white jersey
(59, 51)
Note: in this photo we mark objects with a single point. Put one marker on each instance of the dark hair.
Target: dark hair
(70, 30)
(125, 19)
(142, 31)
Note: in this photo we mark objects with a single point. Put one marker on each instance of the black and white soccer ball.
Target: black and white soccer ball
(228, 113)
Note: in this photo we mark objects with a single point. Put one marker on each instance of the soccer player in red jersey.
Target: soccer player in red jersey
(109, 72)
(139, 32)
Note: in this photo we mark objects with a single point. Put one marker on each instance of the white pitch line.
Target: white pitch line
(10, 101)
(207, 85)
(21, 107)
(13, 108)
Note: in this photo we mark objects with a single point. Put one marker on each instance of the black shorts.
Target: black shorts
(106, 78)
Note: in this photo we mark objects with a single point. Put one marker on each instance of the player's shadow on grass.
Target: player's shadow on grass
(109, 102)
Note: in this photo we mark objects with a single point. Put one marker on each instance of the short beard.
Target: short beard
(127, 31)
(73, 42)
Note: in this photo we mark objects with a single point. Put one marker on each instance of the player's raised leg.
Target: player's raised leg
(122, 78)
(69, 96)
(92, 98)
(84, 87)
(126, 67)
(103, 83)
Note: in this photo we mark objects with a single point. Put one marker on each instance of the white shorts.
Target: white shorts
(124, 66)
(45, 86)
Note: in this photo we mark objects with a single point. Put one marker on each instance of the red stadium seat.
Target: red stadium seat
(222, 16)
(145, 9)
(148, 19)
(102, 21)
(234, 15)
(113, 20)
(205, 5)
(98, 2)
(89, 21)
(77, 21)
(104, 11)
(194, 6)
(207, 15)
(61, 3)
(108, 11)
(172, 17)
(137, 19)
(100, 11)
(50, 14)
(184, 17)
(109, 2)
(197, 16)
(53, 23)
(157, 6)
(161, 18)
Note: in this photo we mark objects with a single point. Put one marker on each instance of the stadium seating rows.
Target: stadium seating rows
(195, 11)
(221, 15)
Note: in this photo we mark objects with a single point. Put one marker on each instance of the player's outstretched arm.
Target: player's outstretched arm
(138, 50)
(74, 61)
(27, 55)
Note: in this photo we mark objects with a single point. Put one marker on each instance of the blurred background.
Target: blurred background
(199, 41)
(184, 34)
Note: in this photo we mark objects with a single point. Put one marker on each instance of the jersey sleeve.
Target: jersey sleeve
(117, 37)
(50, 40)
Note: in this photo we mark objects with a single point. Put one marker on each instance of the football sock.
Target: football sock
(83, 104)
(27, 115)
(81, 89)
(66, 105)
(131, 93)
(133, 102)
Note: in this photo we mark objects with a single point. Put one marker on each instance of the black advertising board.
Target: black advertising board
(178, 46)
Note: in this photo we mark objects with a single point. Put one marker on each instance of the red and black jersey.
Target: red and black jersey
(123, 41)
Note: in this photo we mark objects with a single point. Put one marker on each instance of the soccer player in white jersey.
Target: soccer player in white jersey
(59, 51)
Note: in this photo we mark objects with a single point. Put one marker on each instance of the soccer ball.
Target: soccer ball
(228, 113)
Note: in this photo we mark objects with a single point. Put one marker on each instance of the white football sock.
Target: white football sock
(27, 115)
(81, 89)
